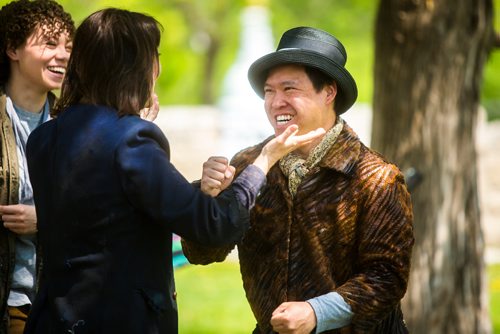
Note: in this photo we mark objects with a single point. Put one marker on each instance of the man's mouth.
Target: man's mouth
(57, 69)
(283, 119)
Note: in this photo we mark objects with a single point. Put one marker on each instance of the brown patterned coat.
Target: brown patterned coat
(349, 229)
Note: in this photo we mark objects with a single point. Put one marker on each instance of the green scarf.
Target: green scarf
(296, 168)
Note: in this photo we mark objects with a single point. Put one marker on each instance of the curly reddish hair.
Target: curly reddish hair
(20, 18)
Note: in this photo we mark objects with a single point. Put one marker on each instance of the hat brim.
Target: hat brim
(347, 91)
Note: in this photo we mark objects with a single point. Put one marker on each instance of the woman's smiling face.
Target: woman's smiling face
(41, 61)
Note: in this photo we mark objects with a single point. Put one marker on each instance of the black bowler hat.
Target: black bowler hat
(314, 48)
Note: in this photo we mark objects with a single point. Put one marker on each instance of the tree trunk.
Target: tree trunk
(428, 68)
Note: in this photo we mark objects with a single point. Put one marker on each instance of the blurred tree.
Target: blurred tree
(201, 39)
(429, 59)
(211, 24)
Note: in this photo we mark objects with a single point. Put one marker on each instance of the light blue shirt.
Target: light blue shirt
(331, 311)
(24, 276)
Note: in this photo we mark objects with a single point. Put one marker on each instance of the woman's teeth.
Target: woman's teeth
(57, 69)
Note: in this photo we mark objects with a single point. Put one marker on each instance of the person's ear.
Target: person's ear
(331, 92)
(12, 53)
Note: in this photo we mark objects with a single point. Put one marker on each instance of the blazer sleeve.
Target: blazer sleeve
(200, 254)
(155, 188)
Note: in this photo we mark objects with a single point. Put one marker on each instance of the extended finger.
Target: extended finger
(12, 218)
(308, 137)
(155, 109)
(10, 209)
(289, 132)
(156, 103)
(311, 134)
(13, 225)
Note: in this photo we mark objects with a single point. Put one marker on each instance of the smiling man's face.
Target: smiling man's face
(290, 98)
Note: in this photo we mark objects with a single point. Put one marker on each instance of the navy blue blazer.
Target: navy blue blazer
(107, 200)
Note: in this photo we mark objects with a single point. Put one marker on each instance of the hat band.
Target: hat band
(325, 49)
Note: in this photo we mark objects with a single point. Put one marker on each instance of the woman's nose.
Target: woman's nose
(63, 53)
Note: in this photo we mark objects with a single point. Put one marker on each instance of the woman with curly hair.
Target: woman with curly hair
(35, 45)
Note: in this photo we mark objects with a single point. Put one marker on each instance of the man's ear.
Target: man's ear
(331, 92)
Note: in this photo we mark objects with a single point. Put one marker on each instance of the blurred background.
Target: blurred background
(208, 108)
(202, 41)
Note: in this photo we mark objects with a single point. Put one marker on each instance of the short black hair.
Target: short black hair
(318, 78)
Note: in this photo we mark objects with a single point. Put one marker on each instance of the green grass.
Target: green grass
(494, 286)
(212, 301)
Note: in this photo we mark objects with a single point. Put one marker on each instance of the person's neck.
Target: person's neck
(25, 96)
(305, 150)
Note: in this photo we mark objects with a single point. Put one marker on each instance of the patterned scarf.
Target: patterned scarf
(296, 168)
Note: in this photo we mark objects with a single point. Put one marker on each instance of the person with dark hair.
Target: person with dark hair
(107, 196)
(330, 239)
(35, 44)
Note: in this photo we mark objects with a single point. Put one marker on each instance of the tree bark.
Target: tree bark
(429, 58)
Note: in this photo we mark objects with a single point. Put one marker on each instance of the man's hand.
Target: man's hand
(293, 318)
(217, 175)
(19, 218)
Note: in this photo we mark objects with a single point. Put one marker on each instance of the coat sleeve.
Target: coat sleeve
(156, 189)
(385, 235)
(199, 254)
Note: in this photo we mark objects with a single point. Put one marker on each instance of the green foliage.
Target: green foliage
(200, 41)
(490, 95)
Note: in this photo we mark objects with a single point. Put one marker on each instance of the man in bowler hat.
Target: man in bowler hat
(331, 235)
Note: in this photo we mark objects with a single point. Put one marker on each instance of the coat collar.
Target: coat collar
(341, 157)
(344, 152)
